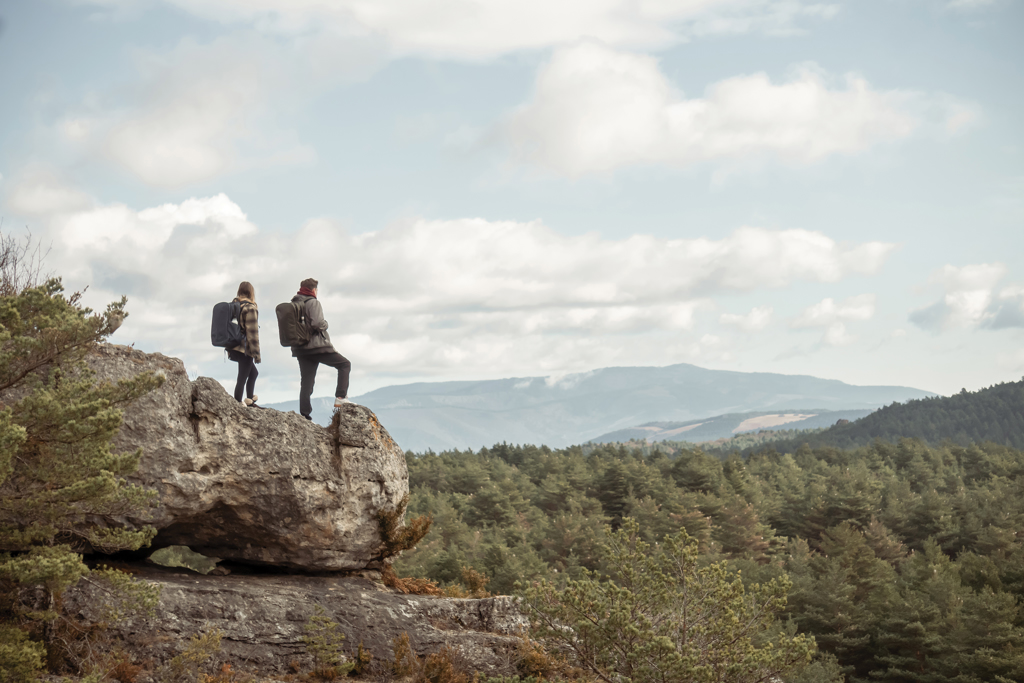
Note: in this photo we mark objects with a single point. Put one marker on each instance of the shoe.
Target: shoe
(308, 417)
(251, 401)
(339, 402)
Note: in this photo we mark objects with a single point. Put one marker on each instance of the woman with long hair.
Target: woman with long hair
(247, 354)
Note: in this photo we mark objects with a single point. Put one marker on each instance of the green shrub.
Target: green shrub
(323, 641)
(21, 660)
(187, 666)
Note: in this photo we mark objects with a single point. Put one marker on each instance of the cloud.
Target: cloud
(968, 299)
(202, 110)
(757, 319)
(595, 109)
(40, 192)
(970, 5)
(485, 29)
(833, 317)
(827, 311)
(466, 297)
(1007, 310)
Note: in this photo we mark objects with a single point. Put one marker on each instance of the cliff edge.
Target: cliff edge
(255, 485)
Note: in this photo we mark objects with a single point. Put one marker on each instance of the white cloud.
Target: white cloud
(757, 319)
(458, 297)
(833, 317)
(836, 335)
(827, 311)
(595, 109)
(968, 299)
(484, 29)
(40, 193)
(203, 110)
(197, 112)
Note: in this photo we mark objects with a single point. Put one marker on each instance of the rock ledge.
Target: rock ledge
(255, 485)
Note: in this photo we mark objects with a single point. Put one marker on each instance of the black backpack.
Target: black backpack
(291, 323)
(225, 330)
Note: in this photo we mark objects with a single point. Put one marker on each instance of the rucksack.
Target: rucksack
(291, 323)
(225, 330)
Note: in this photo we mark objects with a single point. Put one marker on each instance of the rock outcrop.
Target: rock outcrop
(256, 485)
(262, 619)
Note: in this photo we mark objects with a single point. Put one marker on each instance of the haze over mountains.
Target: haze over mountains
(725, 426)
(573, 409)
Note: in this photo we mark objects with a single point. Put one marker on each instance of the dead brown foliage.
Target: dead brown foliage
(409, 586)
(444, 666)
(395, 534)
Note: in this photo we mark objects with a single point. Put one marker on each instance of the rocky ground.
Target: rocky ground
(262, 617)
(294, 510)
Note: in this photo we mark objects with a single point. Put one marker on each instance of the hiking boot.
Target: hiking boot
(339, 402)
(251, 401)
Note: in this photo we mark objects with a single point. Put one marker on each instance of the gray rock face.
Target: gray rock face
(262, 619)
(256, 485)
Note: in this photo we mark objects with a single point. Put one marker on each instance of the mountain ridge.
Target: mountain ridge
(561, 410)
(994, 413)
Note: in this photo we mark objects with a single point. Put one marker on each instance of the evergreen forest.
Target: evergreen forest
(905, 561)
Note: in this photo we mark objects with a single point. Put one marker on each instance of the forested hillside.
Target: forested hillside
(906, 560)
(994, 414)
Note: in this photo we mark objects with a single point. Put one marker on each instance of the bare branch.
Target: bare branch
(21, 263)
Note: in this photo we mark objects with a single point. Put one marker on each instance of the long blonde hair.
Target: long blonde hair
(246, 292)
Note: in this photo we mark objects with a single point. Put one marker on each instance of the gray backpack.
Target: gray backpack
(291, 323)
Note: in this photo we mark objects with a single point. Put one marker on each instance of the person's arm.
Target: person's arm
(315, 316)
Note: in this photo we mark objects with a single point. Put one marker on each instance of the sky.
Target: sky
(513, 188)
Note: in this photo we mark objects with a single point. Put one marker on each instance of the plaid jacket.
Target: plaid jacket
(249, 320)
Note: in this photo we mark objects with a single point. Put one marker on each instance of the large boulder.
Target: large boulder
(256, 485)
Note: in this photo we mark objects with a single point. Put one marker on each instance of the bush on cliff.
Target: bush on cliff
(57, 472)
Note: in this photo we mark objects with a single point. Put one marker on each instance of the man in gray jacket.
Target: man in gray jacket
(317, 350)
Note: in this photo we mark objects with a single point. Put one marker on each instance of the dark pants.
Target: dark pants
(308, 364)
(247, 374)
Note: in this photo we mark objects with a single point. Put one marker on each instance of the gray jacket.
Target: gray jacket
(319, 340)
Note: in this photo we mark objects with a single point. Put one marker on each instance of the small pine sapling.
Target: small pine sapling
(324, 641)
(185, 667)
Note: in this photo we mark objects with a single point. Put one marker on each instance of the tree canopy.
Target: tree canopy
(891, 550)
(59, 478)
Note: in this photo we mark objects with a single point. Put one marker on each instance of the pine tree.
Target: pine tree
(938, 630)
(661, 616)
(57, 472)
(613, 491)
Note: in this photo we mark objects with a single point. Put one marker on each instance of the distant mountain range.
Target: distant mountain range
(994, 414)
(726, 426)
(580, 407)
